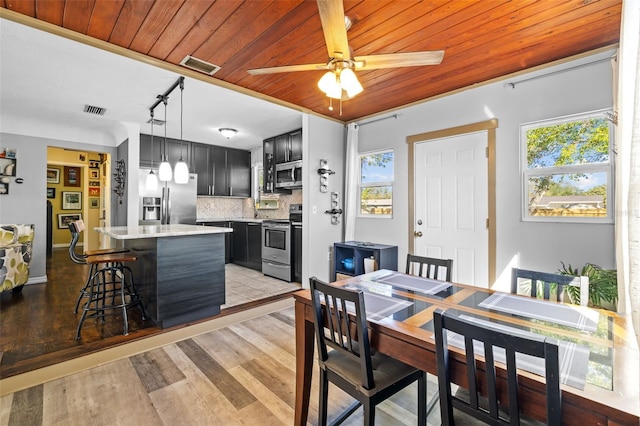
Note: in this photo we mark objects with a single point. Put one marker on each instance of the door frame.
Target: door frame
(490, 127)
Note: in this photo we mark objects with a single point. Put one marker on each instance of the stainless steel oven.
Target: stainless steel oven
(276, 249)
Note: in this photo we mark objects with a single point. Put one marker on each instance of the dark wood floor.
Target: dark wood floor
(37, 326)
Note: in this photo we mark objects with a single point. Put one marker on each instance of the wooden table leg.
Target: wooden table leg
(304, 364)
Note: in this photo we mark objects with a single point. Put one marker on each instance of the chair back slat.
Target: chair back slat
(546, 280)
(490, 338)
(341, 323)
(429, 267)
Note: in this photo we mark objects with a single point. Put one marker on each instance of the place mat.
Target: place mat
(539, 309)
(414, 283)
(573, 358)
(379, 307)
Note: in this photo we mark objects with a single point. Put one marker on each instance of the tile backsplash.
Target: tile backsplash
(228, 208)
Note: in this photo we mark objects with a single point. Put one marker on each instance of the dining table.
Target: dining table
(598, 349)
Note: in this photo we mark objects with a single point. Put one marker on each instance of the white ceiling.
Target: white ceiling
(50, 79)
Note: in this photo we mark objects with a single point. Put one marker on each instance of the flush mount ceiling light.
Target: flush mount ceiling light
(227, 132)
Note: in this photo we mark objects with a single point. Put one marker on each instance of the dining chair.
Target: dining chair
(347, 360)
(547, 281)
(498, 408)
(429, 267)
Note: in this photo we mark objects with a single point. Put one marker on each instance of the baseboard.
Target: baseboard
(66, 245)
(37, 280)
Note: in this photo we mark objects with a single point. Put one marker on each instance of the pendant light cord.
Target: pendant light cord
(181, 108)
(151, 111)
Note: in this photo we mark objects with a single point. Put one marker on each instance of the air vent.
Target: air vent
(199, 65)
(156, 122)
(94, 110)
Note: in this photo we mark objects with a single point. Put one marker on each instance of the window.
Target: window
(567, 169)
(376, 184)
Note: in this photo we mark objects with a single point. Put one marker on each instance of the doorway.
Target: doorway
(452, 199)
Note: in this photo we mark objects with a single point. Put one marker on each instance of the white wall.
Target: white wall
(322, 139)
(540, 246)
(26, 202)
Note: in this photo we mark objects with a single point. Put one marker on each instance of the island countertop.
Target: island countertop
(159, 231)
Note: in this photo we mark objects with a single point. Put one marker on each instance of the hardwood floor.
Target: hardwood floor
(242, 374)
(37, 326)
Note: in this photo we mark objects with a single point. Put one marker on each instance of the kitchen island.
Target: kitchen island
(179, 274)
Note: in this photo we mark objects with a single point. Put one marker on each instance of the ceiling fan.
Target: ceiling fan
(340, 82)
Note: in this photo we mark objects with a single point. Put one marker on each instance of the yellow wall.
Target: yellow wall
(57, 159)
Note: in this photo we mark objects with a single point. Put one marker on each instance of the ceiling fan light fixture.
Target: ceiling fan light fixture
(228, 132)
(350, 82)
(330, 85)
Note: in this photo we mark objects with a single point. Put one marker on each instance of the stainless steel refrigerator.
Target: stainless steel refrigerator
(169, 203)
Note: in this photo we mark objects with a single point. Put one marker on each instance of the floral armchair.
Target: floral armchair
(15, 254)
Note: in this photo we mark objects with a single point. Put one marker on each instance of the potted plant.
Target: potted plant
(603, 284)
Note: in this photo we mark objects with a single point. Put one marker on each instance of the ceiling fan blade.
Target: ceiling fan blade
(333, 26)
(288, 68)
(397, 60)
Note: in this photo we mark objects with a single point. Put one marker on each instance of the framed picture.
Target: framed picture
(51, 193)
(4, 188)
(11, 153)
(71, 200)
(94, 192)
(53, 175)
(72, 176)
(94, 183)
(94, 174)
(94, 203)
(94, 164)
(65, 219)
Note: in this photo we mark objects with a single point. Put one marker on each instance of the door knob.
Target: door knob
(417, 233)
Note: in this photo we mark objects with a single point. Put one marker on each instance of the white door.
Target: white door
(451, 204)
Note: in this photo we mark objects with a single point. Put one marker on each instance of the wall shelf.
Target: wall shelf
(386, 257)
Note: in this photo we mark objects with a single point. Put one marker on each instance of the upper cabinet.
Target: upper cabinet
(222, 171)
(280, 149)
(151, 154)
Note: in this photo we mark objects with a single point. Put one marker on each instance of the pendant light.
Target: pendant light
(152, 179)
(165, 168)
(182, 170)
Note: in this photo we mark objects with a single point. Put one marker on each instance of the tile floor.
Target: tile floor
(246, 285)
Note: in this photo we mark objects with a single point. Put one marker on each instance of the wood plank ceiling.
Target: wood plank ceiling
(482, 39)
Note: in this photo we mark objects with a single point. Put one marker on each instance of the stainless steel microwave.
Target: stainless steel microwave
(289, 175)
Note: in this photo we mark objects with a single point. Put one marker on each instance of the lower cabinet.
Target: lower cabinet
(247, 244)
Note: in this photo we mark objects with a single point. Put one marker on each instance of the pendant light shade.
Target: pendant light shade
(165, 172)
(182, 170)
(350, 82)
(152, 181)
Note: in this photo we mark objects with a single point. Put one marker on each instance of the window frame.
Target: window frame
(375, 184)
(606, 167)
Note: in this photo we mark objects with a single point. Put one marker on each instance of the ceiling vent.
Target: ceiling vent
(199, 65)
(156, 122)
(94, 110)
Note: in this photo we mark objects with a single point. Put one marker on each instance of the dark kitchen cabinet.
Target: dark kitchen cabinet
(227, 238)
(174, 150)
(254, 251)
(239, 246)
(222, 171)
(247, 244)
(277, 150)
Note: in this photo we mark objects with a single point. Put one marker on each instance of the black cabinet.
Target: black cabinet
(385, 256)
(247, 244)
(296, 247)
(277, 150)
(222, 171)
(227, 238)
(254, 250)
(175, 149)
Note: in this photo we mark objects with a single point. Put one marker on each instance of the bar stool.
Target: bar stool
(76, 228)
(112, 280)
